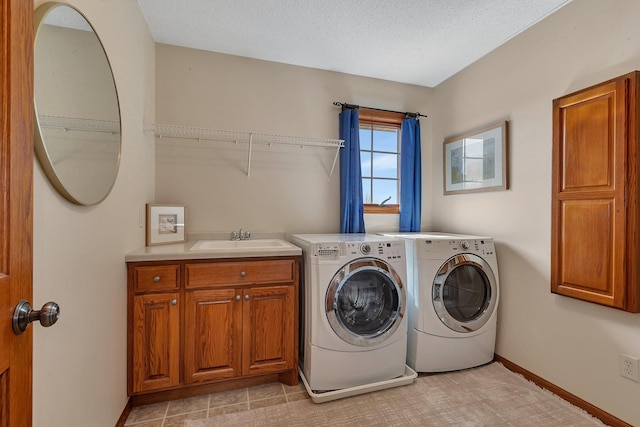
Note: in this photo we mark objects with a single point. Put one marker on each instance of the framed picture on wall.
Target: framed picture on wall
(476, 161)
(165, 224)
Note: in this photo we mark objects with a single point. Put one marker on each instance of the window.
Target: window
(380, 160)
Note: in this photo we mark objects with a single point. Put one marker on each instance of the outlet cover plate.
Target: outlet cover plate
(629, 367)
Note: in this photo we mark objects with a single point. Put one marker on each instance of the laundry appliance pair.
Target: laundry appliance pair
(371, 304)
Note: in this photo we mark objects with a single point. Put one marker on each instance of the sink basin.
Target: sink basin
(225, 245)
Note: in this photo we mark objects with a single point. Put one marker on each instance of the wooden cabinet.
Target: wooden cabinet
(595, 236)
(154, 325)
(269, 324)
(201, 322)
(238, 331)
(156, 345)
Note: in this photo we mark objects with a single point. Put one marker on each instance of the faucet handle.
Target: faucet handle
(247, 235)
(234, 235)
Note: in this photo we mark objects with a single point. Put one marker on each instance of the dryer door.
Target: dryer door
(464, 293)
(365, 302)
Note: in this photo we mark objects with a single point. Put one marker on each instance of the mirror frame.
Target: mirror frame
(42, 153)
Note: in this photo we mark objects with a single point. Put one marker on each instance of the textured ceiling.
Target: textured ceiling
(420, 42)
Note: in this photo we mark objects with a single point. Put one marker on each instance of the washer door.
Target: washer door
(465, 293)
(365, 302)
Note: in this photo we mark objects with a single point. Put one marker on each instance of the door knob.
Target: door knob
(25, 314)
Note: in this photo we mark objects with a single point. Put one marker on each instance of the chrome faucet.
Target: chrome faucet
(241, 235)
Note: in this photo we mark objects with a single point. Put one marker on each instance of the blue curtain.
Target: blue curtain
(410, 176)
(351, 200)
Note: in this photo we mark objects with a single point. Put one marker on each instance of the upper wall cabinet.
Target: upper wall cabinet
(595, 237)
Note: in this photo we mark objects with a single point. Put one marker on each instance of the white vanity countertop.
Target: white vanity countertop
(182, 251)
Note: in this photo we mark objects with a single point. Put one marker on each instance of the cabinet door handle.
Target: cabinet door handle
(156, 279)
(174, 301)
(237, 297)
(243, 273)
(246, 297)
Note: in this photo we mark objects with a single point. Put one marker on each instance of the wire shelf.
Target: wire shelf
(78, 124)
(198, 133)
(250, 138)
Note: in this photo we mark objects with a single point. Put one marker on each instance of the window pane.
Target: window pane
(385, 165)
(365, 162)
(366, 191)
(384, 188)
(365, 138)
(385, 140)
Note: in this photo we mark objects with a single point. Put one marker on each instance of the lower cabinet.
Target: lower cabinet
(268, 325)
(212, 335)
(225, 320)
(156, 341)
(234, 332)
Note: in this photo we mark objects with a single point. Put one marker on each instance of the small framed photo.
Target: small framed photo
(477, 160)
(165, 224)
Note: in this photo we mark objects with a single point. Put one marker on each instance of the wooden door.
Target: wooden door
(269, 340)
(212, 334)
(16, 220)
(589, 221)
(156, 341)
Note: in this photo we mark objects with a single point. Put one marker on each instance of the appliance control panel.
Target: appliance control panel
(328, 249)
(384, 250)
(391, 251)
(455, 246)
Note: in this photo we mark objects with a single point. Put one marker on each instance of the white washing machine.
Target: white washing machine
(453, 300)
(353, 325)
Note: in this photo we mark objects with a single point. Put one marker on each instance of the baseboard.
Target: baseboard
(603, 416)
(125, 414)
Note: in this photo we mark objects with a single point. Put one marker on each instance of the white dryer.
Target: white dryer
(353, 325)
(453, 300)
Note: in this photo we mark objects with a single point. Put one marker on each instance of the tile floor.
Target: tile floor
(175, 412)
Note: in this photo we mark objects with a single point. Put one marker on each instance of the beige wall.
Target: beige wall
(79, 374)
(571, 343)
(289, 188)
(79, 251)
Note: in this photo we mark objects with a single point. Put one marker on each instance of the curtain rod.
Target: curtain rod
(352, 106)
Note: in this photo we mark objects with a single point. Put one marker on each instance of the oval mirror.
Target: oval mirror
(76, 106)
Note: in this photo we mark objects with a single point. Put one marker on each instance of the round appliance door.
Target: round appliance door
(365, 302)
(465, 293)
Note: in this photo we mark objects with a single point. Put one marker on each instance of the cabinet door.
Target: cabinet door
(590, 146)
(269, 329)
(156, 342)
(212, 335)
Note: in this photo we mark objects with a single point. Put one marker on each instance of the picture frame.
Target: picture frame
(476, 161)
(165, 224)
